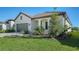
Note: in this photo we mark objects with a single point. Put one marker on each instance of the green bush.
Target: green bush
(2, 31)
(26, 32)
(10, 30)
(39, 31)
(73, 35)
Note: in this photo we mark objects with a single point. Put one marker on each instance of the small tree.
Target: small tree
(55, 25)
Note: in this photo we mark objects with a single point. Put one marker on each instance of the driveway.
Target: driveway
(10, 34)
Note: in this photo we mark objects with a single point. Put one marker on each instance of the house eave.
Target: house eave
(67, 18)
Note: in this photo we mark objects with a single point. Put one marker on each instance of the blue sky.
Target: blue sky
(11, 12)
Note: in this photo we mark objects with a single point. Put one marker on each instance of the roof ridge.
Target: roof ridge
(25, 14)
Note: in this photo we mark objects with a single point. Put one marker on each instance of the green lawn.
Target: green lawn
(39, 44)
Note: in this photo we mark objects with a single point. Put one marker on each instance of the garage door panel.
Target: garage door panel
(22, 27)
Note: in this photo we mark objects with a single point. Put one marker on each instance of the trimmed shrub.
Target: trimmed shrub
(26, 32)
(39, 31)
(10, 30)
(2, 31)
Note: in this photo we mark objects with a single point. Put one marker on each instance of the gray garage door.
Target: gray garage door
(22, 27)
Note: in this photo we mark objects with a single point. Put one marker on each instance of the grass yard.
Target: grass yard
(39, 44)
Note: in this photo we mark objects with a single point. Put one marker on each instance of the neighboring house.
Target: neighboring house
(24, 22)
(2, 26)
(10, 24)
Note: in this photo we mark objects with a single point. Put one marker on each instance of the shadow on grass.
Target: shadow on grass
(27, 37)
(72, 41)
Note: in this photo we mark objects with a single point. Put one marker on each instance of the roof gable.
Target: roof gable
(22, 14)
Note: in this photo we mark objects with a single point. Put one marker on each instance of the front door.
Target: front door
(46, 28)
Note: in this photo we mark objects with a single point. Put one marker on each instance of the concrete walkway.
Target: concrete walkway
(10, 34)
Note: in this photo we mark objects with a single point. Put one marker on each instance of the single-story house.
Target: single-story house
(24, 22)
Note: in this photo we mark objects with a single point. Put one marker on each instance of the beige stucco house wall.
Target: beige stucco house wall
(41, 22)
(68, 26)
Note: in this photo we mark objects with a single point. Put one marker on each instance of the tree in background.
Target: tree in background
(75, 28)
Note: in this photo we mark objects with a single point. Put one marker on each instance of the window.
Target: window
(46, 25)
(21, 17)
